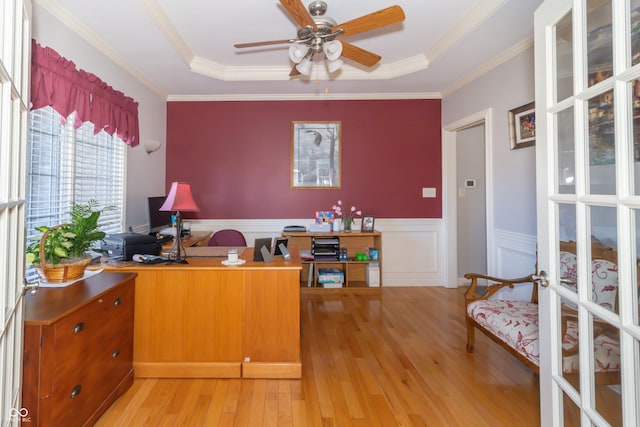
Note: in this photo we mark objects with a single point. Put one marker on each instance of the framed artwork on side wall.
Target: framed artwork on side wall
(522, 126)
(315, 155)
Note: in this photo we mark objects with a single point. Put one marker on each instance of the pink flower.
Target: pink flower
(337, 209)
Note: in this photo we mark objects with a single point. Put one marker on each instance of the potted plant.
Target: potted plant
(60, 254)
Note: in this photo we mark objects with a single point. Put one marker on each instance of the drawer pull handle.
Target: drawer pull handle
(78, 328)
(75, 392)
(115, 353)
(117, 302)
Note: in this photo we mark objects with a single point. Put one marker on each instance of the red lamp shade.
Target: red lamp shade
(180, 199)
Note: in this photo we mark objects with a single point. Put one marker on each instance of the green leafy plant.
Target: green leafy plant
(69, 241)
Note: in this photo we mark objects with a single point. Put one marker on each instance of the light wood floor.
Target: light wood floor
(391, 359)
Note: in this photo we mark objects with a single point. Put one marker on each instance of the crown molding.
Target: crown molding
(488, 66)
(476, 16)
(162, 21)
(218, 71)
(75, 25)
(304, 97)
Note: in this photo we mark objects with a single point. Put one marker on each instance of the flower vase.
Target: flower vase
(347, 222)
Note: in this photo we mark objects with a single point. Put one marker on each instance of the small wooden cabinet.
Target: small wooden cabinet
(78, 349)
(355, 272)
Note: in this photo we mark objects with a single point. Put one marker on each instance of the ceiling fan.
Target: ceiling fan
(319, 34)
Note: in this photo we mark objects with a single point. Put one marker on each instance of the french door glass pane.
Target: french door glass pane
(636, 274)
(566, 158)
(564, 61)
(570, 413)
(606, 370)
(570, 357)
(602, 156)
(604, 281)
(567, 222)
(599, 41)
(635, 31)
(636, 354)
(636, 135)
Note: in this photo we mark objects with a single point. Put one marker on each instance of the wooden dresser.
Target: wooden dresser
(78, 349)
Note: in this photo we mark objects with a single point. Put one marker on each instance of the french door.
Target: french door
(15, 45)
(587, 55)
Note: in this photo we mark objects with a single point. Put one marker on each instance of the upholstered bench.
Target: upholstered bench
(514, 324)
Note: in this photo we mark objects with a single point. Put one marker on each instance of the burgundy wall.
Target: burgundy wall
(237, 157)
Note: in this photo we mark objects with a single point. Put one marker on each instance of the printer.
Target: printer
(124, 245)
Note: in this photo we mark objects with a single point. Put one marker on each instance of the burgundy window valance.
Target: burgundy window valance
(56, 82)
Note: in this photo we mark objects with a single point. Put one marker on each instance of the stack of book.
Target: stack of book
(330, 277)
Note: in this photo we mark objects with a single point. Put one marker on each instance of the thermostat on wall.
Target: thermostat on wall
(469, 183)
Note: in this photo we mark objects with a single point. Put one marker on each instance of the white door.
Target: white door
(15, 45)
(588, 177)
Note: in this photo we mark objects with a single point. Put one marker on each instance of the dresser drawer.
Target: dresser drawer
(75, 397)
(91, 336)
(79, 330)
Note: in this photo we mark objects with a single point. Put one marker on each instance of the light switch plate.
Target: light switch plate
(428, 192)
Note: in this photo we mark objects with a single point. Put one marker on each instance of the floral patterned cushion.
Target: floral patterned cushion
(605, 283)
(606, 351)
(604, 279)
(516, 324)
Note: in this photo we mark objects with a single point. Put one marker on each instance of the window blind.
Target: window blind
(67, 166)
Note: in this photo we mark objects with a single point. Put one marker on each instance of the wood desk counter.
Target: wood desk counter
(208, 320)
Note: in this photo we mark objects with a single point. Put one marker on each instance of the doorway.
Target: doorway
(471, 202)
(450, 138)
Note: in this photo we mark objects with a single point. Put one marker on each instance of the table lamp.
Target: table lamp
(179, 199)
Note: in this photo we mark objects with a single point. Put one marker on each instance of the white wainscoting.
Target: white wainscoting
(515, 257)
(515, 254)
(411, 248)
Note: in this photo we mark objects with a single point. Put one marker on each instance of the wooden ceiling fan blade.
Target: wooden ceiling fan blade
(299, 13)
(294, 72)
(265, 43)
(381, 18)
(360, 55)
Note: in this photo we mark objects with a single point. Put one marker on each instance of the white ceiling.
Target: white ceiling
(183, 49)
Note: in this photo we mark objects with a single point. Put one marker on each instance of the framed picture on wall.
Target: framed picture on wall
(367, 223)
(315, 155)
(522, 126)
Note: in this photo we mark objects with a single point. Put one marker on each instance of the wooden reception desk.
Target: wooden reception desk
(208, 320)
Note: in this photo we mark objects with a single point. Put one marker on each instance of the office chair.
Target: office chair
(227, 237)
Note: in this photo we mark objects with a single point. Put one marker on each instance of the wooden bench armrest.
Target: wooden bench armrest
(491, 289)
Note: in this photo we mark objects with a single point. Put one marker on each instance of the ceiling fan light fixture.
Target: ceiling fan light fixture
(317, 34)
(332, 50)
(304, 67)
(334, 66)
(297, 52)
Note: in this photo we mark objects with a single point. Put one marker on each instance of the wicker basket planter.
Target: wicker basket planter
(66, 270)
